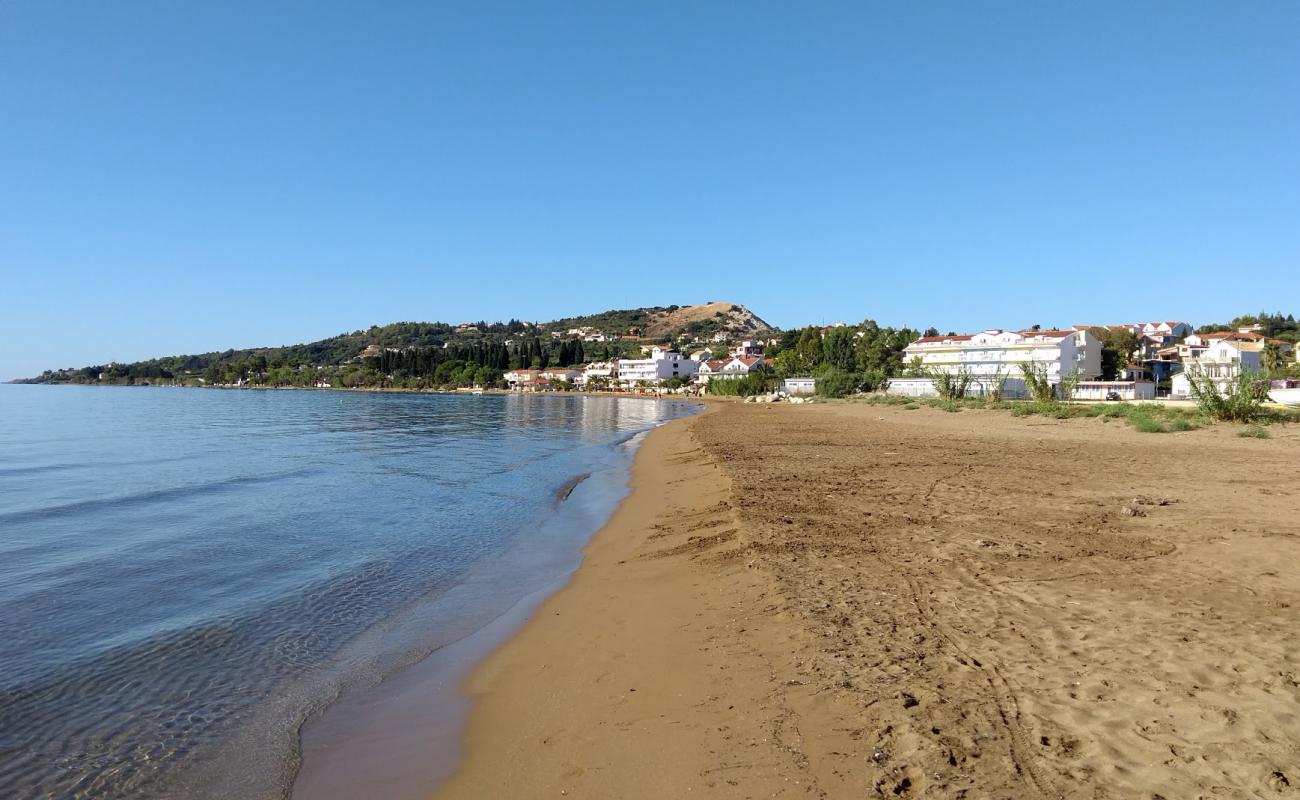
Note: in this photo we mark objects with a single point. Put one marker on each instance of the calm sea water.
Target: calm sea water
(188, 575)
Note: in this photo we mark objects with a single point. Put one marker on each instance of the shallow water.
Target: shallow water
(188, 575)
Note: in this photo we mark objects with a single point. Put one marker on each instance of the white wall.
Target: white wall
(1127, 390)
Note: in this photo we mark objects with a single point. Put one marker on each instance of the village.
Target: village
(991, 363)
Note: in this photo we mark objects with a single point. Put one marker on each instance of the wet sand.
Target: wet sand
(851, 601)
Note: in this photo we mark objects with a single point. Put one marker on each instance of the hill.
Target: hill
(495, 345)
(669, 322)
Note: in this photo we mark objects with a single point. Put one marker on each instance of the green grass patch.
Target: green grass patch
(886, 400)
(1142, 417)
(1254, 432)
(1147, 425)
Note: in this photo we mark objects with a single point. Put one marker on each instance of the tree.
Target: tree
(1118, 347)
(1271, 356)
(838, 350)
(809, 349)
(787, 363)
(880, 350)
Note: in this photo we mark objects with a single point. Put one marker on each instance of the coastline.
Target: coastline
(869, 601)
(612, 667)
(401, 733)
(388, 390)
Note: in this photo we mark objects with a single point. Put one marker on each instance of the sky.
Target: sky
(187, 177)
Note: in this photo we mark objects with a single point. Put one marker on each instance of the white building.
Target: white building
(1115, 390)
(734, 367)
(1221, 361)
(602, 372)
(521, 379)
(1164, 332)
(660, 366)
(993, 354)
(800, 385)
(569, 374)
(747, 348)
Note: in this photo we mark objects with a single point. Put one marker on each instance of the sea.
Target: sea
(190, 577)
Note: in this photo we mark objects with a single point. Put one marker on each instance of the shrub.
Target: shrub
(1148, 425)
(998, 387)
(1240, 398)
(759, 383)
(888, 400)
(837, 383)
(1068, 384)
(950, 385)
(1036, 380)
(1151, 419)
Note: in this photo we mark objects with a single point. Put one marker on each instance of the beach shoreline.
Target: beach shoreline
(870, 601)
(398, 732)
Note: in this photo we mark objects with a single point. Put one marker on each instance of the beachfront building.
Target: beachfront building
(661, 365)
(599, 375)
(995, 355)
(800, 385)
(734, 367)
(709, 369)
(1115, 390)
(566, 374)
(520, 379)
(1221, 360)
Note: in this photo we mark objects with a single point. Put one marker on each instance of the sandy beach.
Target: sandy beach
(853, 601)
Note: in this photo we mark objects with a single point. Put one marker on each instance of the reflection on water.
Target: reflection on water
(186, 574)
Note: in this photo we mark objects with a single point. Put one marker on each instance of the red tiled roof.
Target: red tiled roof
(928, 339)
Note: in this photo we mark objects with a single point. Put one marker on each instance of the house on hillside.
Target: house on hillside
(1164, 332)
(747, 348)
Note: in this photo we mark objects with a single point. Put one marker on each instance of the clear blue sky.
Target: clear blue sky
(181, 177)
